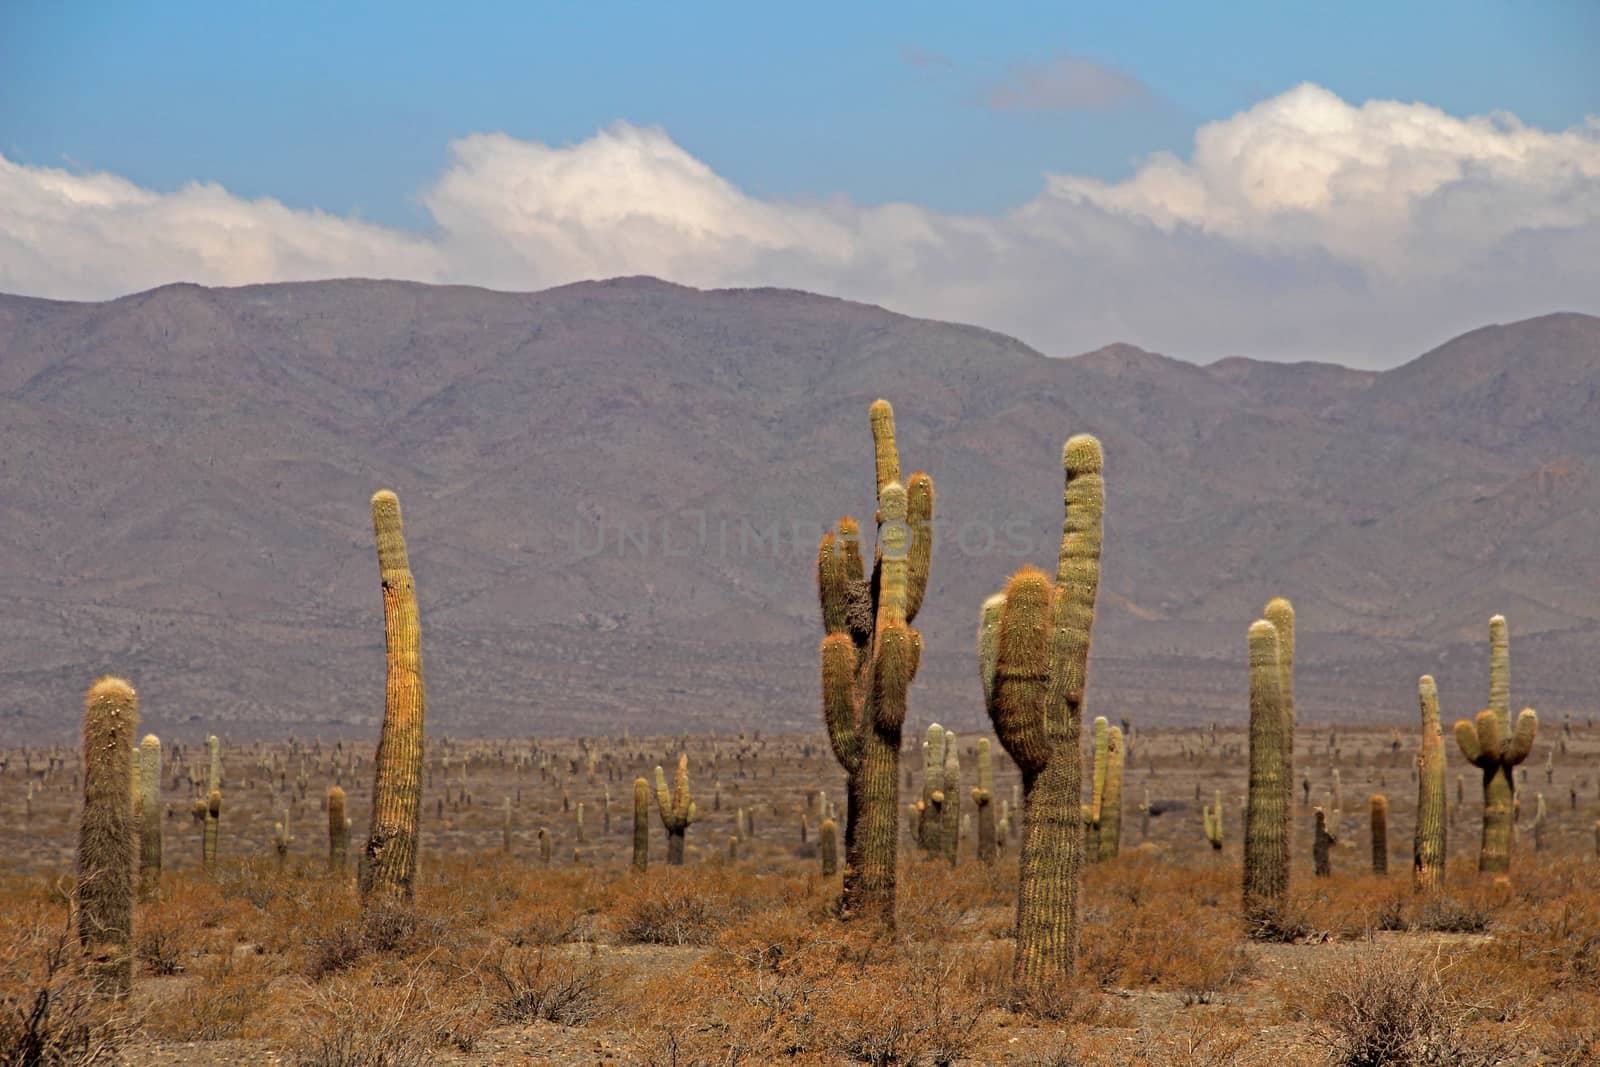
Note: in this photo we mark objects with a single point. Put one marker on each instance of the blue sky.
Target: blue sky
(349, 107)
(1347, 181)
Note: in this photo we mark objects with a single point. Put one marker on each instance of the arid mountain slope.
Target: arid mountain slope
(612, 493)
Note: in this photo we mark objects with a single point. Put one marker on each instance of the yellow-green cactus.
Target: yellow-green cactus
(1495, 747)
(983, 800)
(390, 862)
(1211, 822)
(1428, 846)
(1266, 851)
(104, 893)
(828, 845)
(950, 831)
(930, 832)
(1108, 829)
(641, 824)
(149, 815)
(1036, 704)
(338, 831)
(677, 808)
(869, 658)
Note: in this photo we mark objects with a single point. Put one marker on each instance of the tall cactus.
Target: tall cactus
(338, 831)
(1266, 851)
(1036, 693)
(104, 893)
(1428, 846)
(149, 815)
(983, 800)
(641, 824)
(1496, 748)
(390, 861)
(678, 811)
(1378, 812)
(929, 832)
(950, 832)
(213, 802)
(1280, 613)
(1109, 829)
(869, 658)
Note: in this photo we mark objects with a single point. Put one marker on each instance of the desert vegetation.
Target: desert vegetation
(500, 912)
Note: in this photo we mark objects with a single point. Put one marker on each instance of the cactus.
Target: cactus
(1491, 744)
(929, 833)
(1211, 822)
(505, 826)
(213, 827)
(577, 819)
(1322, 841)
(104, 892)
(546, 847)
(391, 853)
(338, 831)
(149, 777)
(983, 800)
(1280, 613)
(828, 845)
(869, 658)
(1538, 823)
(282, 839)
(1378, 809)
(1036, 698)
(950, 831)
(677, 809)
(1105, 808)
(1428, 846)
(1266, 851)
(641, 824)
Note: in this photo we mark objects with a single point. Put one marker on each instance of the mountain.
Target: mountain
(613, 490)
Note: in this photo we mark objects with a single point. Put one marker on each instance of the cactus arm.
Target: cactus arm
(989, 642)
(838, 699)
(891, 676)
(1522, 738)
(1022, 674)
(1491, 738)
(833, 585)
(1102, 758)
(1467, 740)
(919, 517)
(1077, 574)
(894, 548)
(663, 798)
(886, 455)
(1500, 672)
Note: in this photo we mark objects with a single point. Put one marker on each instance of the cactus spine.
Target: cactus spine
(1378, 810)
(390, 866)
(950, 832)
(338, 830)
(1266, 852)
(983, 799)
(105, 835)
(1495, 748)
(677, 809)
(869, 658)
(1428, 847)
(149, 815)
(828, 845)
(1211, 822)
(641, 824)
(1036, 705)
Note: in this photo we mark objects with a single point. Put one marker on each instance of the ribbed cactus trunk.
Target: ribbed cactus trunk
(641, 824)
(1428, 846)
(950, 831)
(1491, 744)
(338, 831)
(1280, 613)
(1266, 852)
(869, 658)
(1211, 822)
(1108, 826)
(213, 803)
(1378, 813)
(828, 846)
(678, 811)
(1036, 694)
(983, 800)
(930, 831)
(104, 892)
(390, 862)
(149, 815)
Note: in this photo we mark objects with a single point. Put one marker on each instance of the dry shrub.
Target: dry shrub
(1198, 1042)
(541, 985)
(391, 1014)
(49, 1015)
(1385, 1007)
(683, 907)
(224, 997)
(395, 929)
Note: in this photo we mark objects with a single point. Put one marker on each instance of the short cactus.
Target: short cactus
(1491, 744)
(1378, 810)
(282, 839)
(869, 659)
(338, 831)
(390, 864)
(1036, 696)
(1428, 846)
(149, 815)
(1266, 850)
(1211, 822)
(950, 832)
(828, 846)
(1322, 842)
(104, 892)
(677, 809)
(1105, 808)
(213, 829)
(930, 833)
(641, 824)
(983, 800)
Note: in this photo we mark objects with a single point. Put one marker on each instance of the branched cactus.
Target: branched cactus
(390, 862)
(950, 833)
(869, 658)
(1491, 744)
(1266, 851)
(641, 824)
(1036, 694)
(828, 845)
(983, 800)
(1211, 822)
(104, 892)
(338, 831)
(677, 809)
(1105, 806)
(1378, 811)
(1428, 846)
(1322, 842)
(149, 815)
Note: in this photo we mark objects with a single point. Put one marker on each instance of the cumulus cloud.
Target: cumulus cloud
(1065, 83)
(1304, 227)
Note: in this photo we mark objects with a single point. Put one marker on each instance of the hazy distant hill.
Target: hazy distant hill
(184, 478)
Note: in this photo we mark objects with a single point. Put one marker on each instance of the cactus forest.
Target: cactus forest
(1035, 888)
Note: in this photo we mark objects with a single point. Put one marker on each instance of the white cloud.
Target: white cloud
(1304, 227)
